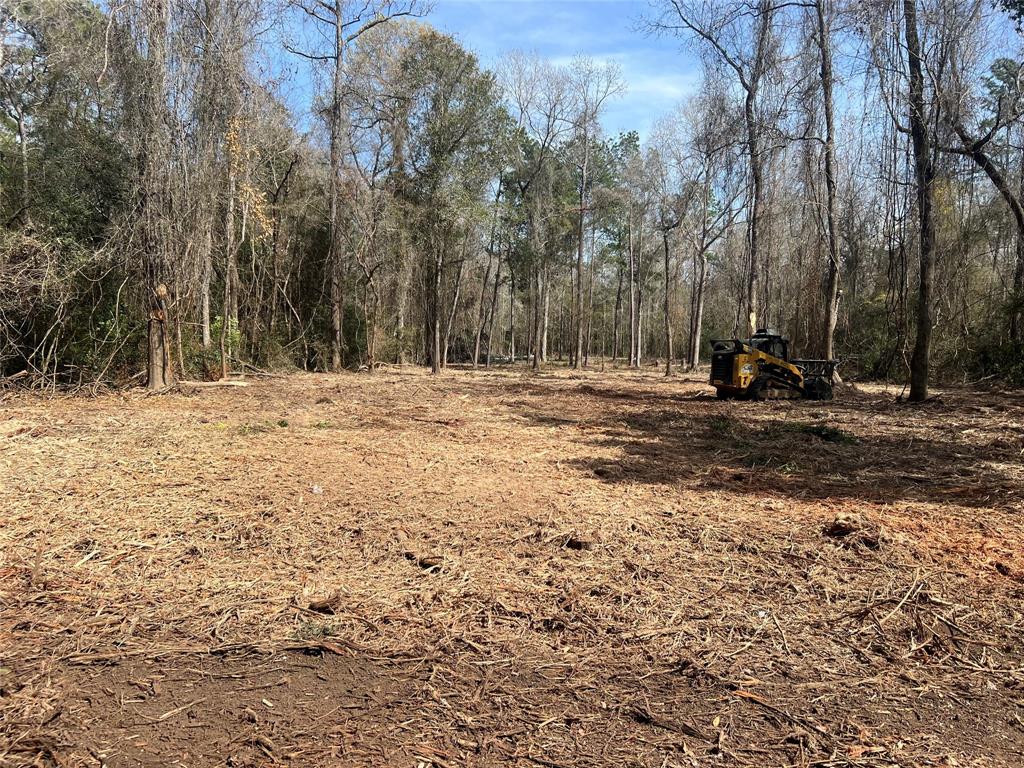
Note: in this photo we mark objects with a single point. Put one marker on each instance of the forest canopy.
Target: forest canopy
(850, 174)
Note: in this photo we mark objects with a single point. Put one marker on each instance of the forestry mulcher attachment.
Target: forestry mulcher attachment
(759, 368)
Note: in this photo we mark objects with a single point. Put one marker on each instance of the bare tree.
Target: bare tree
(823, 13)
(151, 27)
(592, 85)
(491, 249)
(977, 118)
(924, 172)
(742, 37)
(700, 144)
(671, 210)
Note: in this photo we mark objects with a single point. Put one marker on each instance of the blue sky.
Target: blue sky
(659, 72)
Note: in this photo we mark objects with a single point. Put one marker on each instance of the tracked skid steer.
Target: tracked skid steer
(759, 368)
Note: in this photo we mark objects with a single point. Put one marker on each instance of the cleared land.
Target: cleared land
(501, 569)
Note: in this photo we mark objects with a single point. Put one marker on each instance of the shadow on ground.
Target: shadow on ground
(879, 451)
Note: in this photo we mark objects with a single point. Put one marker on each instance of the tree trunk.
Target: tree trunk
(23, 149)
(493, 312)
(754, 220)
(632, 290)
(511, 316)
(698, 315)
(530, 316)
(616, 315)
(435, 310)
(482, 314)
(544, 321)
(179, 345)
(370, 295)
(684, 359)
(668, 308)
(639, 296)
(487, 273)
(153, 187)
(1017, 312)
(538, 318)
(832, 235)
(1017, 309)
(577, 362)
(161, 372)
(754, 150)
(590, 301)
(227, 321)
(561, 329)
(206, 277)
(336, 245)
(401, 298)
(924, 172)
(275, 278)
(454, 310)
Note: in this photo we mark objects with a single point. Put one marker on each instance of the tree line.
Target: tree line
(196, 187)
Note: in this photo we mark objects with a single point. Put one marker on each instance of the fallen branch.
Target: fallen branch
(219, 383)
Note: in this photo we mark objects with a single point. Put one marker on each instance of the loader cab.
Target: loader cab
(770, 343)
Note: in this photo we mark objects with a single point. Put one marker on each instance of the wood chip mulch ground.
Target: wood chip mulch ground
(497, 568)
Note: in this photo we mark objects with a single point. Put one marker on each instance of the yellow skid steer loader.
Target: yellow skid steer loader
(759, 368)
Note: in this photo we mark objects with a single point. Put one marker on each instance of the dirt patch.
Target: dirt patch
(499, 568)
(233, 710)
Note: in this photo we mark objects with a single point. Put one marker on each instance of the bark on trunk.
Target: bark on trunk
(832, 235)
(435, 311)
(668, 308)
(511, 316)
(161, 372)
(632, 291)
(493, 312)
(452, 312)
(590, 302)
(1017, 311)
(752, 85)
(335, 247)
(544, 320)
(924, 172)
(153, 170)
(538, 318)
(23, 149)
(230, 272)
(754, 221)
(482, 314)
(578, 356)
(401, 298)
(616, 315)
(205, 279)
(698, 315)
(639, 298)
